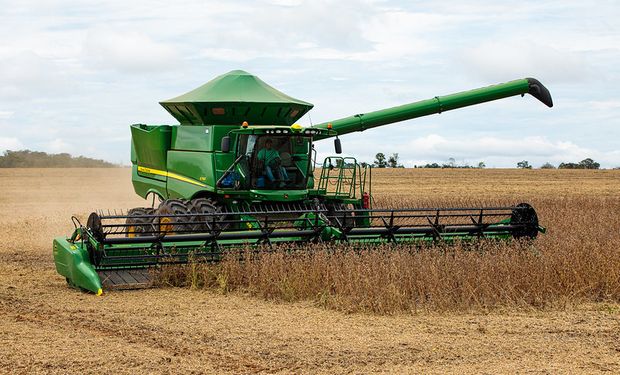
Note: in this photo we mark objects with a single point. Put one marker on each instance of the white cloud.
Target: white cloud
(129, 51)
(27, 75)
(57, 146)
(368, 32)
(10, 143)
(605, 105)
(501, 60)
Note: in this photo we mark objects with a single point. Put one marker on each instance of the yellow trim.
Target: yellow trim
(169, 174)
(99, 292)
(185, 179)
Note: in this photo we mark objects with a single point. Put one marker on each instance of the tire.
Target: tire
(172, 224)
(201, 206)
(139, 226)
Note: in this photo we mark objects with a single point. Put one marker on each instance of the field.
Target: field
(49, 328)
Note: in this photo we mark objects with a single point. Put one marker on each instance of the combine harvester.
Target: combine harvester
(238, 172)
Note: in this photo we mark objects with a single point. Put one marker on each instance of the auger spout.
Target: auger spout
(438, 104)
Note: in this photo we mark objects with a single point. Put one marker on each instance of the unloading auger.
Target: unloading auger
(239, 173)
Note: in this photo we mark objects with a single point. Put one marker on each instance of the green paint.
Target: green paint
(73, 262)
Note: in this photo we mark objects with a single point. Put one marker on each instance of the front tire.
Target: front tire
(138, 226)
(173, 217)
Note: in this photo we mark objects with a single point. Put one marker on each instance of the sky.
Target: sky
(75, 74)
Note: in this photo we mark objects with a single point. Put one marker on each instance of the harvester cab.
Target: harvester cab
(238, 172)
(269, 158)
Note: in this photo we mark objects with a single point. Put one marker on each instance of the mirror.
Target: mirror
(226, 144)
(338, 146)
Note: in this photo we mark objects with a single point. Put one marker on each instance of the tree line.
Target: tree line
(381, 161)
(38, 159)
(587, 163)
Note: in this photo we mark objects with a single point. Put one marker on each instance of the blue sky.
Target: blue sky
(75, 74)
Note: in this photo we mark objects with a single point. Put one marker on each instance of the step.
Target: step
(126, 279)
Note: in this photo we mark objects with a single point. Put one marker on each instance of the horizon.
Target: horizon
(447, 165)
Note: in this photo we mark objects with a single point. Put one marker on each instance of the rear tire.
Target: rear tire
(201, 206)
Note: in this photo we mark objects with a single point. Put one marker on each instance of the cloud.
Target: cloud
(27, 75)
(327, 30)
(283, 30)
(128, 51)
(57, 146)
(605, 105)
(501, 60)
(10, 143)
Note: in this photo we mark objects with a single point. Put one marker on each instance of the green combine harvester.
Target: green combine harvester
(239, 173)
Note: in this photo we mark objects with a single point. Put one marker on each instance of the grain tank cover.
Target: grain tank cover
(235, 97)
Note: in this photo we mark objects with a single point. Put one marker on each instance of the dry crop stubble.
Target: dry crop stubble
(577, 261)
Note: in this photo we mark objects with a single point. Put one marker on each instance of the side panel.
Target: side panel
(72, 262)
(195, 162)
(189, 173)
(145, 183)
(150, 144)
(149, 149)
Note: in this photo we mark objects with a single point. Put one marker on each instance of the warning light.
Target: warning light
(245, 124)
(329, 126)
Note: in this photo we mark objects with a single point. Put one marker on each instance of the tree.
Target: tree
(568, 166)
(589, 164)
(547, 165)
(380, 160)
(393, 161)
(584, 164)
(481, 165)
(524, 164)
